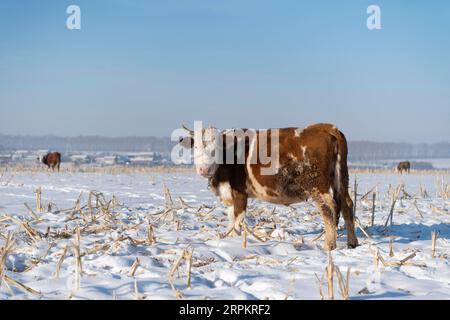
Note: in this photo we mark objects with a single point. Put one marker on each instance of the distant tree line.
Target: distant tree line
(367, 150)
(358, 150)
(86, 143)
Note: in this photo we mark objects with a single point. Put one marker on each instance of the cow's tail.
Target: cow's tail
(341, 175)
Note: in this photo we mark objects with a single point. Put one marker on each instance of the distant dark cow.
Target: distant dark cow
(311, 164)
(404, 166)
(52, 160)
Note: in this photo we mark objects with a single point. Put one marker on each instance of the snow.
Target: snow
(286, 266)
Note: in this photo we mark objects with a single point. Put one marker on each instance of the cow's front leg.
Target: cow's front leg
(236, 213)
(232, 221)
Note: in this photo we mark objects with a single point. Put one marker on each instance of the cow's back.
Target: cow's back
(404, 166)
(307, 161)
(53, 158)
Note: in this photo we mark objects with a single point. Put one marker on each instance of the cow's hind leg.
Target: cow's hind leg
(327, 206)
(347, 210)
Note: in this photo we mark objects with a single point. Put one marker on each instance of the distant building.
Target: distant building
(144, 158)
(30, 158)
(81, 158)
(42, 152)
(106, 160)
(141, 161)
(19, 155)
(5, 158)
(123, 160)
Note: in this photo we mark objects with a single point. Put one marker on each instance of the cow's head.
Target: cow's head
(44, 159)
(206, 144)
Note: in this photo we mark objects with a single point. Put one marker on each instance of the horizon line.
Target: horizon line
(168, 137)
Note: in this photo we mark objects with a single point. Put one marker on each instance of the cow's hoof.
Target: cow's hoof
(230, 233)
(352, 245)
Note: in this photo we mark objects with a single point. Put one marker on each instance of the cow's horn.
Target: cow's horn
(188, 130)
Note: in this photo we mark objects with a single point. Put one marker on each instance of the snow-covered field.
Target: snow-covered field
(119, 259)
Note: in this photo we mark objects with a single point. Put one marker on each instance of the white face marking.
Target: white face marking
(298, 132)
(206, 150)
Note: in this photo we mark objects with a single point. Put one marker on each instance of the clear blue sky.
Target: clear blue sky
(143, 67)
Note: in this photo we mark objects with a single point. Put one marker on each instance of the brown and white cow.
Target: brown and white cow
(51, 160)
(404, 166)
(311, 164)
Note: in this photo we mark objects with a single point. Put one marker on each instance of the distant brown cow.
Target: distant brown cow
(404, 166)
(52, 160)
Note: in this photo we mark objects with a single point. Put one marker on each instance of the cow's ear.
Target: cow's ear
(187, 142)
